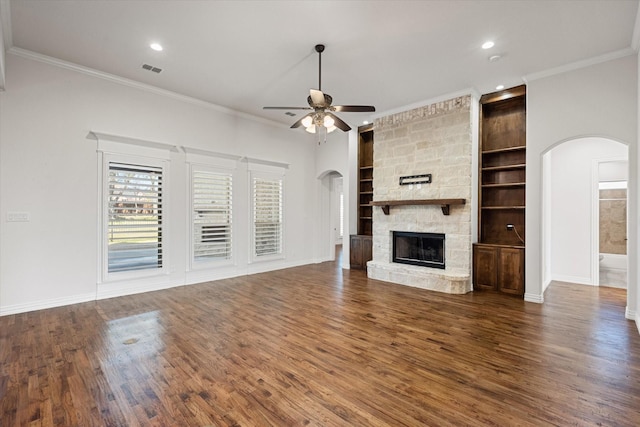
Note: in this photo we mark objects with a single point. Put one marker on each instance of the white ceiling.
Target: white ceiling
(247, 54)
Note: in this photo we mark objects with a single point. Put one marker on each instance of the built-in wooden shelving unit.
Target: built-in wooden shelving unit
(361, 245)
(498, 257)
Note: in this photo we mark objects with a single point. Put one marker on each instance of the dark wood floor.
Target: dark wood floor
(315, 346)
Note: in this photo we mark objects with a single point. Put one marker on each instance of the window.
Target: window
(211, 204)
(267, 216)
(135, 224)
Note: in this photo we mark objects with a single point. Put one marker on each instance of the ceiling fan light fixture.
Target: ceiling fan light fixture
(331, 129)
(311, 129)
(329, 122)
(307, 121)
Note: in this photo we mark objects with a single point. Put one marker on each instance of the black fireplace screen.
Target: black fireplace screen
(424, 249)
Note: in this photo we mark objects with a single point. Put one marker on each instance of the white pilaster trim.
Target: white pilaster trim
(538, 299)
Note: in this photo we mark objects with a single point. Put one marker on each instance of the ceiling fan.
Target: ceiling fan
(322, 114)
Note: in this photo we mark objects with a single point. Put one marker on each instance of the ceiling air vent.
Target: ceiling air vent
(151, 68)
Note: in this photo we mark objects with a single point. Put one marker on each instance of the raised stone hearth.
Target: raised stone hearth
(436, 140)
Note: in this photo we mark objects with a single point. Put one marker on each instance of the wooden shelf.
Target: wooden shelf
(366, 167)
(505, 167)
(504, 150)
(510, 184)
(503, 207)
(366, 180)
(444, 203)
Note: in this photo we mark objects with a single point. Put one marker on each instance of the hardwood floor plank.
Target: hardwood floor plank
(315, 345)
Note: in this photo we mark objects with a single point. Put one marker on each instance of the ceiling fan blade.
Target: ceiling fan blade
(299, 122)
(287, 108)
(339, 123)
(353, 108)
(317, 97)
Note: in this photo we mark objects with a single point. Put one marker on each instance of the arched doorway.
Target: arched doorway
(332, 216)
(572, 171)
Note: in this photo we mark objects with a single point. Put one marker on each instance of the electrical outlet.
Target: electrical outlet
(18, 216)
(510, 227)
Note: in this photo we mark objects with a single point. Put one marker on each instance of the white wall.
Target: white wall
(572, 195)
(633, 311)
(617, 170)
(599, 100)
(49, 168)
(332, 155)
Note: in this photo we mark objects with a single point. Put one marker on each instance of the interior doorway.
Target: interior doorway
(332, 210)
(611, 225)
(571, 207)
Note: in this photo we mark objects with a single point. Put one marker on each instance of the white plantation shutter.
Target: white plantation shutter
(212, 215)
(134, 230)
(267, 216)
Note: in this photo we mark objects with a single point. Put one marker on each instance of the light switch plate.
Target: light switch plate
(18, 216)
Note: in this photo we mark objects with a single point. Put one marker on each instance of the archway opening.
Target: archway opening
(574, 240)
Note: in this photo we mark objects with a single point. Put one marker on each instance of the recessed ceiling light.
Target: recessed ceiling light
(488, 44)
(499, 87)
(156, 46)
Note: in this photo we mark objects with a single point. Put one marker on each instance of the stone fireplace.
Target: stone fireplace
(436, 140)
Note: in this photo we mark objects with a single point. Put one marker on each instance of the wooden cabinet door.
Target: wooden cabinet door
(485, 265)
(367, 250)
(511, 271)
(355, 254)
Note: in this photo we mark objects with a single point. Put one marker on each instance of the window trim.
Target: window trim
(153, 162)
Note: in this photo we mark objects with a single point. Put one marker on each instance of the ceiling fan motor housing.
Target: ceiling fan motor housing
(327, 101)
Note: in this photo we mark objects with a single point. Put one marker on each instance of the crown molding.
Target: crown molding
(579, 64)
(27, 54)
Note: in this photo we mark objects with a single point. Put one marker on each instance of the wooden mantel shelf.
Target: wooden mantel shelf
(444, 203)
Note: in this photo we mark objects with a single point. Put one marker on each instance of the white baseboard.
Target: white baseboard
(638, 322)
(537, 298)
(120, 289)
(200, 276)
(573, 279)
(257, 267)
(150, 284)
(44, 304)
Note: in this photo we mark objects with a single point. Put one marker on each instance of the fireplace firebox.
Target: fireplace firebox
(423, 249)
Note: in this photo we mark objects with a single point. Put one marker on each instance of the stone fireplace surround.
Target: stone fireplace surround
(435, 139)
